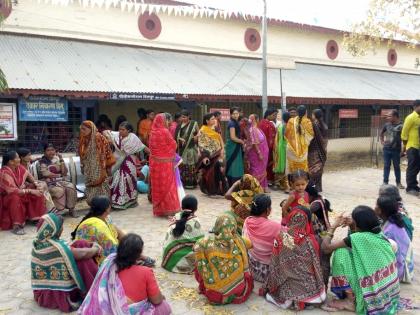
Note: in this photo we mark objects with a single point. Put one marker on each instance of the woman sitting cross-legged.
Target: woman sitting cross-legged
(241, 194)
(393, 228)
(295, 275)
(184, 231)
(364, 268)
(123, 287)
(261, 231)
(61, 274)
(222, 264)
(97, 227)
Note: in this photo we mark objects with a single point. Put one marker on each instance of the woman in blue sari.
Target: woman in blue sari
(234, 159)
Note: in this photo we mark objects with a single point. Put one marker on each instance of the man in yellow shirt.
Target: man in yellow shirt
(410, 136)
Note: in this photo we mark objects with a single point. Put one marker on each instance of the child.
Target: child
(298, 196)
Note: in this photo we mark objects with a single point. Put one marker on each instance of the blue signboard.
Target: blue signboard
(43, 108)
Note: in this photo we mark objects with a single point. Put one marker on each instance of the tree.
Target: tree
(3, 82)
(386, 21)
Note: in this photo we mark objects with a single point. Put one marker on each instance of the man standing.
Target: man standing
(391, 141)
(410, 137)
(145, 126)
(268, 127)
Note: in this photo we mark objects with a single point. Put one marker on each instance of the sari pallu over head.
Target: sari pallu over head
(53, 266)
(242, 199)
(295, 271)
(162, 147)
(107, 296)
(95, 154)
(222, 264)
(370, 270)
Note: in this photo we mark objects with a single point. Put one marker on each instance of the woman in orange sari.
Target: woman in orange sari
(162, 172)
(18, 201)
(299, 133)
(96, 160)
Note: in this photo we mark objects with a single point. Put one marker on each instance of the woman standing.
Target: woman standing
(164, 192)
(124, 177)
(317, 153)
(211, 179)
(268, 127)
(186, 137)
(234, 158)
(256, 151)
(25, 161)
(18, 202)
(96, 160)
(53, 170)
(299, 133)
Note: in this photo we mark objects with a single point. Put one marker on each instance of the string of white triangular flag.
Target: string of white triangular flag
(139, 7)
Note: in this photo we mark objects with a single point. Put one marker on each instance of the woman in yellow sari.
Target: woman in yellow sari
(212, 179)
(299, 133)
(241, 195)
(222, 269)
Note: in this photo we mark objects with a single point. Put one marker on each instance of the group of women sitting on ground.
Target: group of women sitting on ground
(290, 258)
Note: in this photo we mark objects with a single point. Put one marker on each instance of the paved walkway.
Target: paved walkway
(345, 190)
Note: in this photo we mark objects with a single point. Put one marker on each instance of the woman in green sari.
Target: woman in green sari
(364, 267)
(279, 152)
(234, 159)
(184, 231)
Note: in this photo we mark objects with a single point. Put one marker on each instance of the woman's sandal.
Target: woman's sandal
(18, 231)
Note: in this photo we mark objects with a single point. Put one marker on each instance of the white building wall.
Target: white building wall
(204, 35)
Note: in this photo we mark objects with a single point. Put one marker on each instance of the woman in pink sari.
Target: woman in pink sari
(256, 152)
(162, 171)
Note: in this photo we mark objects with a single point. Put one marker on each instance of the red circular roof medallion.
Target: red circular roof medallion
(252, 39)
(149, 25)
(332, 49)
(5, 8)
(392, 57)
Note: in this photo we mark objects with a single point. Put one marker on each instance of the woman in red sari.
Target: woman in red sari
(162, 172)
(19, 200)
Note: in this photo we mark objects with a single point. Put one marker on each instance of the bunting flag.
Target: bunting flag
(139, 7)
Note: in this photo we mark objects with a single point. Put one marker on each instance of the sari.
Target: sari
(211, 177)
(144, 127)
(124, 176)
(188, 152)
(298, 143)
(295, 274)
(95, 158)
(317, 155)
(234, 159)
(222, 264)
(261, 231)
(55, 278)
(17, 206)
(62, 191)
(269, 130)
(404, 254)
(164, 193)
(107, 296)
(279, 158)
(257, 167)
(370, 270)
(178, 255)
(98, 231)
(242, 199)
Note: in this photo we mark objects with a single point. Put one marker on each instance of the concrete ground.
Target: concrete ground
(345, 189)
